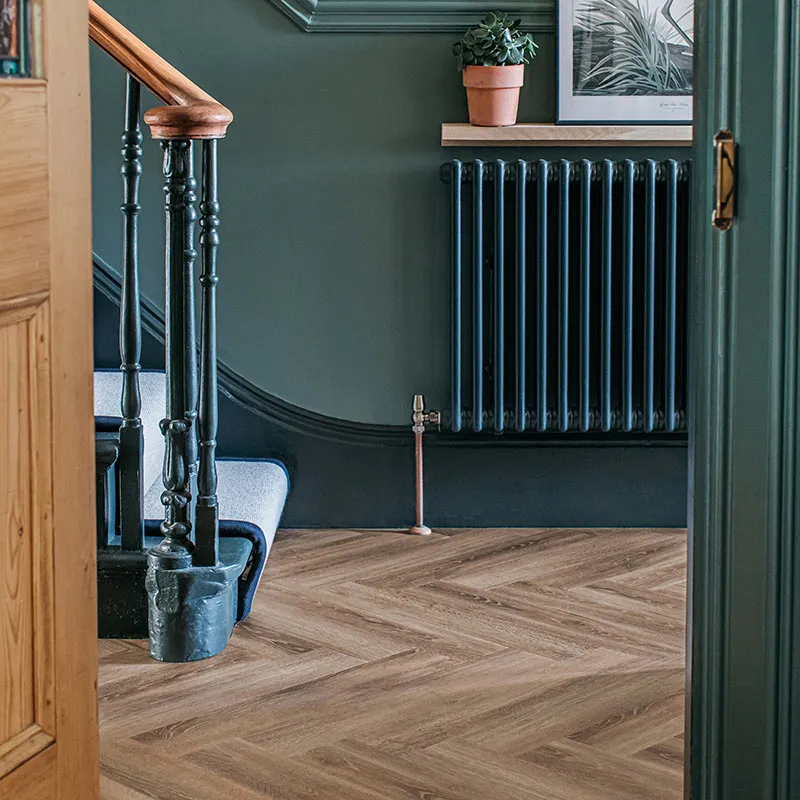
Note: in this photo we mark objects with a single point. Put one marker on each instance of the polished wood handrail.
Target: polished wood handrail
(189, 113)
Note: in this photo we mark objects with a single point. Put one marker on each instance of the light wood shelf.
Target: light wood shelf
(461, 134)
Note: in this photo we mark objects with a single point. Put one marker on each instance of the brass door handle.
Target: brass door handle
(725, 146)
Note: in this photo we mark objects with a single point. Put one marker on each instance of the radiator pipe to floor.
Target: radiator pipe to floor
(419, 419)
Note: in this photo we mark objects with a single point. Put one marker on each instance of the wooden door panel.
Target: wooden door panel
(26, 574)
(18, 709)
(24, 223)
(48, 613)
(32, 780)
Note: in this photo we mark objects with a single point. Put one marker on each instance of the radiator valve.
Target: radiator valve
(420, 419)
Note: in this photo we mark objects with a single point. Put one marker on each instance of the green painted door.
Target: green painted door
(745, 627)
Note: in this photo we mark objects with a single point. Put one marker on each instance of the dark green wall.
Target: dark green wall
(334, 292)
(493, 482)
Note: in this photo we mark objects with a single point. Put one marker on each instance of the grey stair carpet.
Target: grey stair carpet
(248, 491)
(252, 491)
(152, 385)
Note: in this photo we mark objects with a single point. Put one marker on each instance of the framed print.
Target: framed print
(625, 61)
(13, 33)
(9, 29)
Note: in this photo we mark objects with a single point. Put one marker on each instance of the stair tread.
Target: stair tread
(107, 395)
(248, 491)
(252, 491)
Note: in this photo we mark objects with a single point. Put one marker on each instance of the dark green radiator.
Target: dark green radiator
(568, 311)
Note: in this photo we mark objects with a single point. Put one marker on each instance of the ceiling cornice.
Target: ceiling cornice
(398, 16)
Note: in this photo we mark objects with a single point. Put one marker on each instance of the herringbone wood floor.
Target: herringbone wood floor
(470, 665)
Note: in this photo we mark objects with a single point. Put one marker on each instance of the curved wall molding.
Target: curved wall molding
(398, 16)
(248, 395)
(291, 417)
(347, 474)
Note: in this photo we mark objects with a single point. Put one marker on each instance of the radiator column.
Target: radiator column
(597, 333)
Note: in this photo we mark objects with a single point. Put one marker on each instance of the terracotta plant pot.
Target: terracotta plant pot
(493, 94)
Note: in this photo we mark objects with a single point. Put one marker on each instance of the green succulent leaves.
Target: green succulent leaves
(496, 42)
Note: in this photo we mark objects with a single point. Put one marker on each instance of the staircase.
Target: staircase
(182, 536)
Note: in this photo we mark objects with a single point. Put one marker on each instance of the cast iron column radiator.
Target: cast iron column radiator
(568, 314)
(179, 580)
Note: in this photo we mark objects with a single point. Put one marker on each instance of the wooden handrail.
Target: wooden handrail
(189, 113)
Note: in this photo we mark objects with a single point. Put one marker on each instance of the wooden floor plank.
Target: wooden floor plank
(509, 664)
(388, 606)
(479, 697)
(596, 775)
(434, 775)
(602, 619)
(163, 706)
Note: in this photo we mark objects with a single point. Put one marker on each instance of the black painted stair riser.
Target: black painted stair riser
(121, 595)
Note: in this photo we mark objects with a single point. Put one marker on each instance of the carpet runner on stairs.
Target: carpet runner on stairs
(251, 493)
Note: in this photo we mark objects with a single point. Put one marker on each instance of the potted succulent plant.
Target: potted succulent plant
(492, 58)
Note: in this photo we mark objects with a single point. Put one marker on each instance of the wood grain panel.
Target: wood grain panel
(31, 781)
(26, 648)
(18, 705)
(42, 517)
(47, 465)
(462, 134)
(66, 58)
(22, 747)
(24, 229)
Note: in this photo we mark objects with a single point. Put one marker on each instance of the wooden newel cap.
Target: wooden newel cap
(189, 112)
(196, 121)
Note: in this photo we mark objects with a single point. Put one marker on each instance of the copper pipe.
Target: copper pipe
(420, 528)
(419, 419)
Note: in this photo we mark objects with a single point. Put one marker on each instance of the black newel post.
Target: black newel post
(193, 573)
(131, 443)
(179, 429)
(191, 585)
(207, 523)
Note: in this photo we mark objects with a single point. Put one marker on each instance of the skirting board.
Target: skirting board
(352, 484)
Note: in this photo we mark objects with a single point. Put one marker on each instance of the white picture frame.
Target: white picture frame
(625, 61)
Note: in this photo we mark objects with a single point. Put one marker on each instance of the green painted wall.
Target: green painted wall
(334, 266)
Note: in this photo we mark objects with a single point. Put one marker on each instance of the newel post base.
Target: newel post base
(192, 610)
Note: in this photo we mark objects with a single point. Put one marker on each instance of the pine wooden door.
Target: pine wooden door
(48, 704)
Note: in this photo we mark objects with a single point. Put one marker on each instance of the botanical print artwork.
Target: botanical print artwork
(9, 35)
(633, 47)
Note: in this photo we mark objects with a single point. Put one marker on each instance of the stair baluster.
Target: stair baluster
(207, 514)
(195, 583)
(179, 428)
(131, 439)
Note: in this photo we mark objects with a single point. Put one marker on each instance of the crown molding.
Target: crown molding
(410, 16)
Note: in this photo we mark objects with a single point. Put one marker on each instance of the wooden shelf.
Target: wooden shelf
(461, 134)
